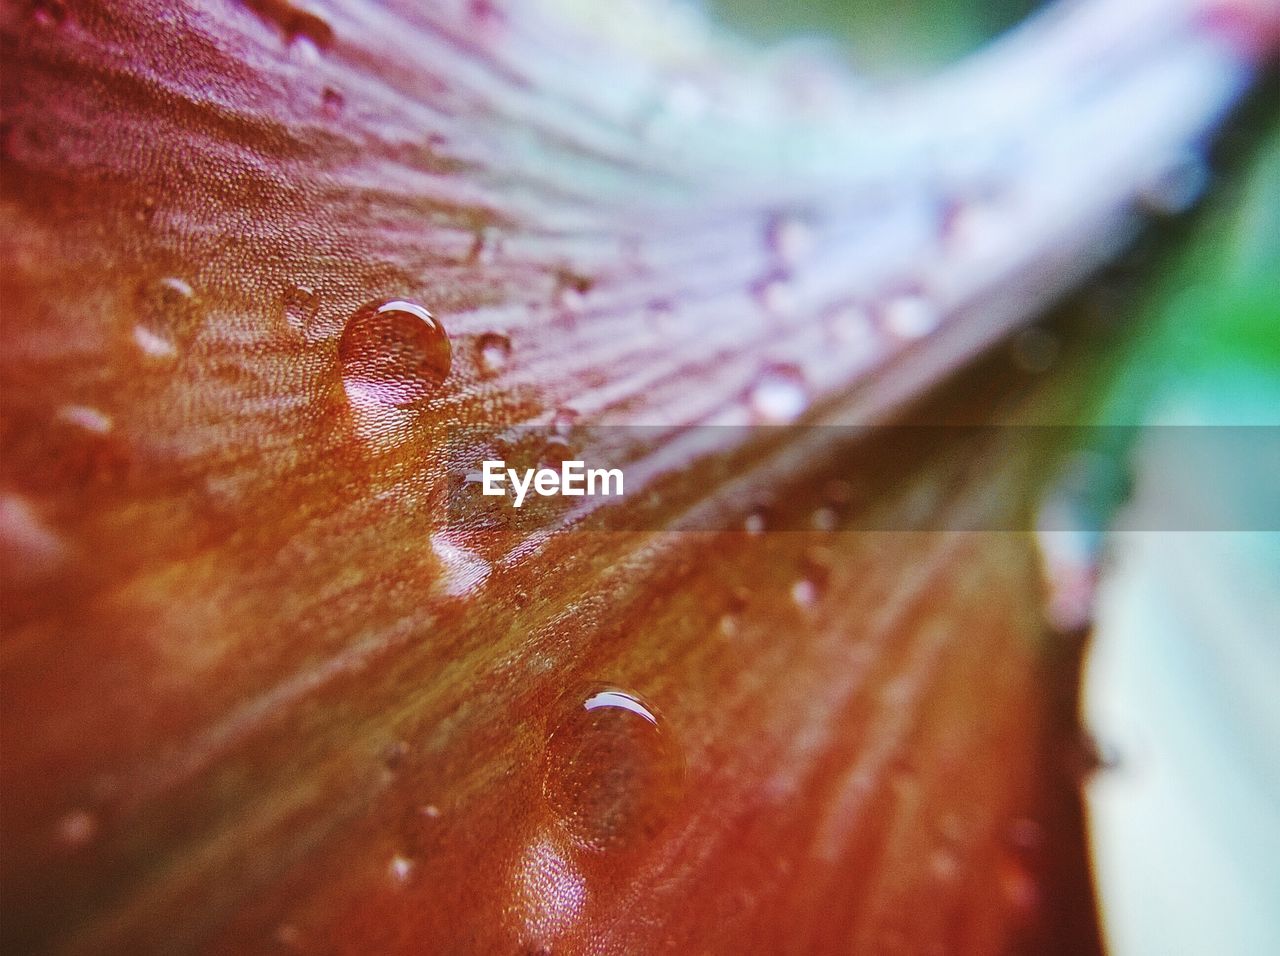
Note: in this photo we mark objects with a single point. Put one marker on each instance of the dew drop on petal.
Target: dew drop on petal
(779, 395)
(86, 418)
(168, 315)
(612, 772)
(824, 519)
(77, 828)
(910, 316)
(804, 593)
(462, 572)
(49, 13)
(493, 351)
(400, 869)
(393, 353)
(790, 238)
(332, 102)
(755, 522)
(776, 296)
(299, 306)
(563, 421)
(555, 451)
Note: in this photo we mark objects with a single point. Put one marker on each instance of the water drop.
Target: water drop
(571, 292)
(563, 421)
(400, 868)
(804, 593)
(776, 296)
(824, 519)
(789, 237)
(332, 102)
(850, 325)
(430, 811)
(910, 316)
(486, 247)
(305, 30)
(462, 571)
(755, 522)
(779, 395)
(49, 13)
(29, 550)
(85, 418)
(393, 353)
(728, 625)
(555, 451)
(612, 773)
(77, 828)
(494, 351)
(299, 306)
(168, 315)
(1018, 884)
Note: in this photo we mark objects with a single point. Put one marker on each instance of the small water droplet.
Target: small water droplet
(1018, 883)
(563, 421)
(776, 296)
(430, 811)
(780, 395)
(571, 292)
(824, 519)
(850, 325)
(393, 353)
(77, 828)
(332, 102)
(86, 418)
(29, 550)
(299, 305)
(49, 13)
(728, 625)
(494, 351)
(910, 315)
(400, 868)
(789, 237)
(804, 593)
(612, 773)
(301, 26)
(755, 522)
(486, 247)
(462, 571)
(168, 315)
(555, 451)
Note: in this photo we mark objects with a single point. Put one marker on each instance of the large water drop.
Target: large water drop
(612, 773)
(393, 353)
